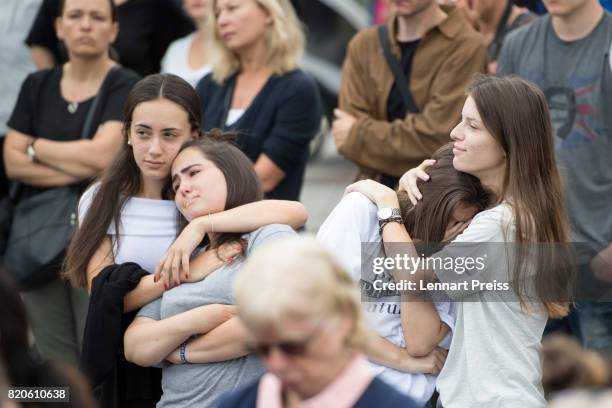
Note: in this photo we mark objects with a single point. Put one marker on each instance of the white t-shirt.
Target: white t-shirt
(176, 61)
(494, 359)
(352, 222)
(146, 229)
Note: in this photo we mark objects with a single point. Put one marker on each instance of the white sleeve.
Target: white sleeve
(344, 230)
(85, 201)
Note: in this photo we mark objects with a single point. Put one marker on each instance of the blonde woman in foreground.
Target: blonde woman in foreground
(305, 320)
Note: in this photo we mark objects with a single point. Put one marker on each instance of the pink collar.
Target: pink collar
(343, 392)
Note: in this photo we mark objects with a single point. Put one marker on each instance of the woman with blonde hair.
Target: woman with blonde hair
(310, 335)
(257, 89)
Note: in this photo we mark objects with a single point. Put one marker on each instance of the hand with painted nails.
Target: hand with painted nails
(175, 263)
(408, 182)
(207, 262)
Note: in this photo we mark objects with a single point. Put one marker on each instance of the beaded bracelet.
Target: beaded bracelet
(182, 350)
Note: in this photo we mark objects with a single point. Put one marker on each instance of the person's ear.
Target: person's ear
(115, 32)
(59, 28)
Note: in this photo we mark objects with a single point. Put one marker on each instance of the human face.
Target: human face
(199, 185)
(324, 352)
(241, 23)
(157, 132)
(462, 213)
(410, 8)
(86, 27)
(196, 9)
(564, 8)
(476, 151)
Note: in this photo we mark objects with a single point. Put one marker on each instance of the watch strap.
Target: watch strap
(383, 223)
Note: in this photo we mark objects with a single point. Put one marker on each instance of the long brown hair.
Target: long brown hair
(516, 114)
(243, 185)
(442, 193)
(122, 180)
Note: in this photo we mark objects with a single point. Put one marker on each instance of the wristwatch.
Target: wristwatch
(30, 152)
(387, 215)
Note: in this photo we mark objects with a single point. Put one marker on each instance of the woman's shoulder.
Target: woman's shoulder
(266, 234)
(38, 78)
(296, 78)
(494, 224)
(177, 49)
(125, 75)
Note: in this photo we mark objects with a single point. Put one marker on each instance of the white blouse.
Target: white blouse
(146, 229)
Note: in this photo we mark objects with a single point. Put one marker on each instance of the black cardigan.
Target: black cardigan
(116, 382)
(280, 122)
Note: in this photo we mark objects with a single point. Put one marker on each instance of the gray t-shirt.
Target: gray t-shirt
(200, 385)
(576, 78)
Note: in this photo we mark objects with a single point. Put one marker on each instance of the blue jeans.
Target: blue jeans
(591, 319)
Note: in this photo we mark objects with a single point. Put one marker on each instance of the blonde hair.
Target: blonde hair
(297, 278)
(284, 38)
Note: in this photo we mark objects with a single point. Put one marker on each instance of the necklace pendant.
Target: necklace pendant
(72, 107)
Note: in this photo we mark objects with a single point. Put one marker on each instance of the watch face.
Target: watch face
(384, 213)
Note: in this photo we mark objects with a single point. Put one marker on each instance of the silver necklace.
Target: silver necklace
(72, 107)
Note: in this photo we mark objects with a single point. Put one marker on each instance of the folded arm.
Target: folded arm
(225, 342)
(83, 158)
(19, 167)
(148, 341)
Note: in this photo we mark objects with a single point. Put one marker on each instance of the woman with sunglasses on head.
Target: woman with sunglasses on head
(208, 176)
(49, 149)
(505, 140)
(408, 360)
(310, 335)
(127, 221)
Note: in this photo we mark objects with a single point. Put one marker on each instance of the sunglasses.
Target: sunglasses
(288, 348)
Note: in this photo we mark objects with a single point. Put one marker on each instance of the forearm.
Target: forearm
(79, 158)
(423, 333)
(251, 216)
(381, 351)
(383, 145)
(225, 342)
(145, 292)
(269, 174)
(421, 324)
(147, 343)
(19, 167)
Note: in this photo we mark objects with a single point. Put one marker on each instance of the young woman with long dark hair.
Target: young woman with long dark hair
(408, 360)
(505, 140)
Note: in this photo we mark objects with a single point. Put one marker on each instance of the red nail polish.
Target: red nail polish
(165, 286)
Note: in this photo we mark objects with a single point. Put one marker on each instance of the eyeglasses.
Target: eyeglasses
(289, 348)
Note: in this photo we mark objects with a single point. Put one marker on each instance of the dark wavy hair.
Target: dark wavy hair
(122, 180)
(442, 193)
(243, 185)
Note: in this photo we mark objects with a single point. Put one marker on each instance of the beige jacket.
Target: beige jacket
(446, 59)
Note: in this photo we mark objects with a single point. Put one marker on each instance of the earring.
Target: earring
(129, 142)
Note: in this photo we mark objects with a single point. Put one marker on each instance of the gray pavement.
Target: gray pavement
(326, 177)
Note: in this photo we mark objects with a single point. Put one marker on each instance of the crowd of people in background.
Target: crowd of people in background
(154, 152)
